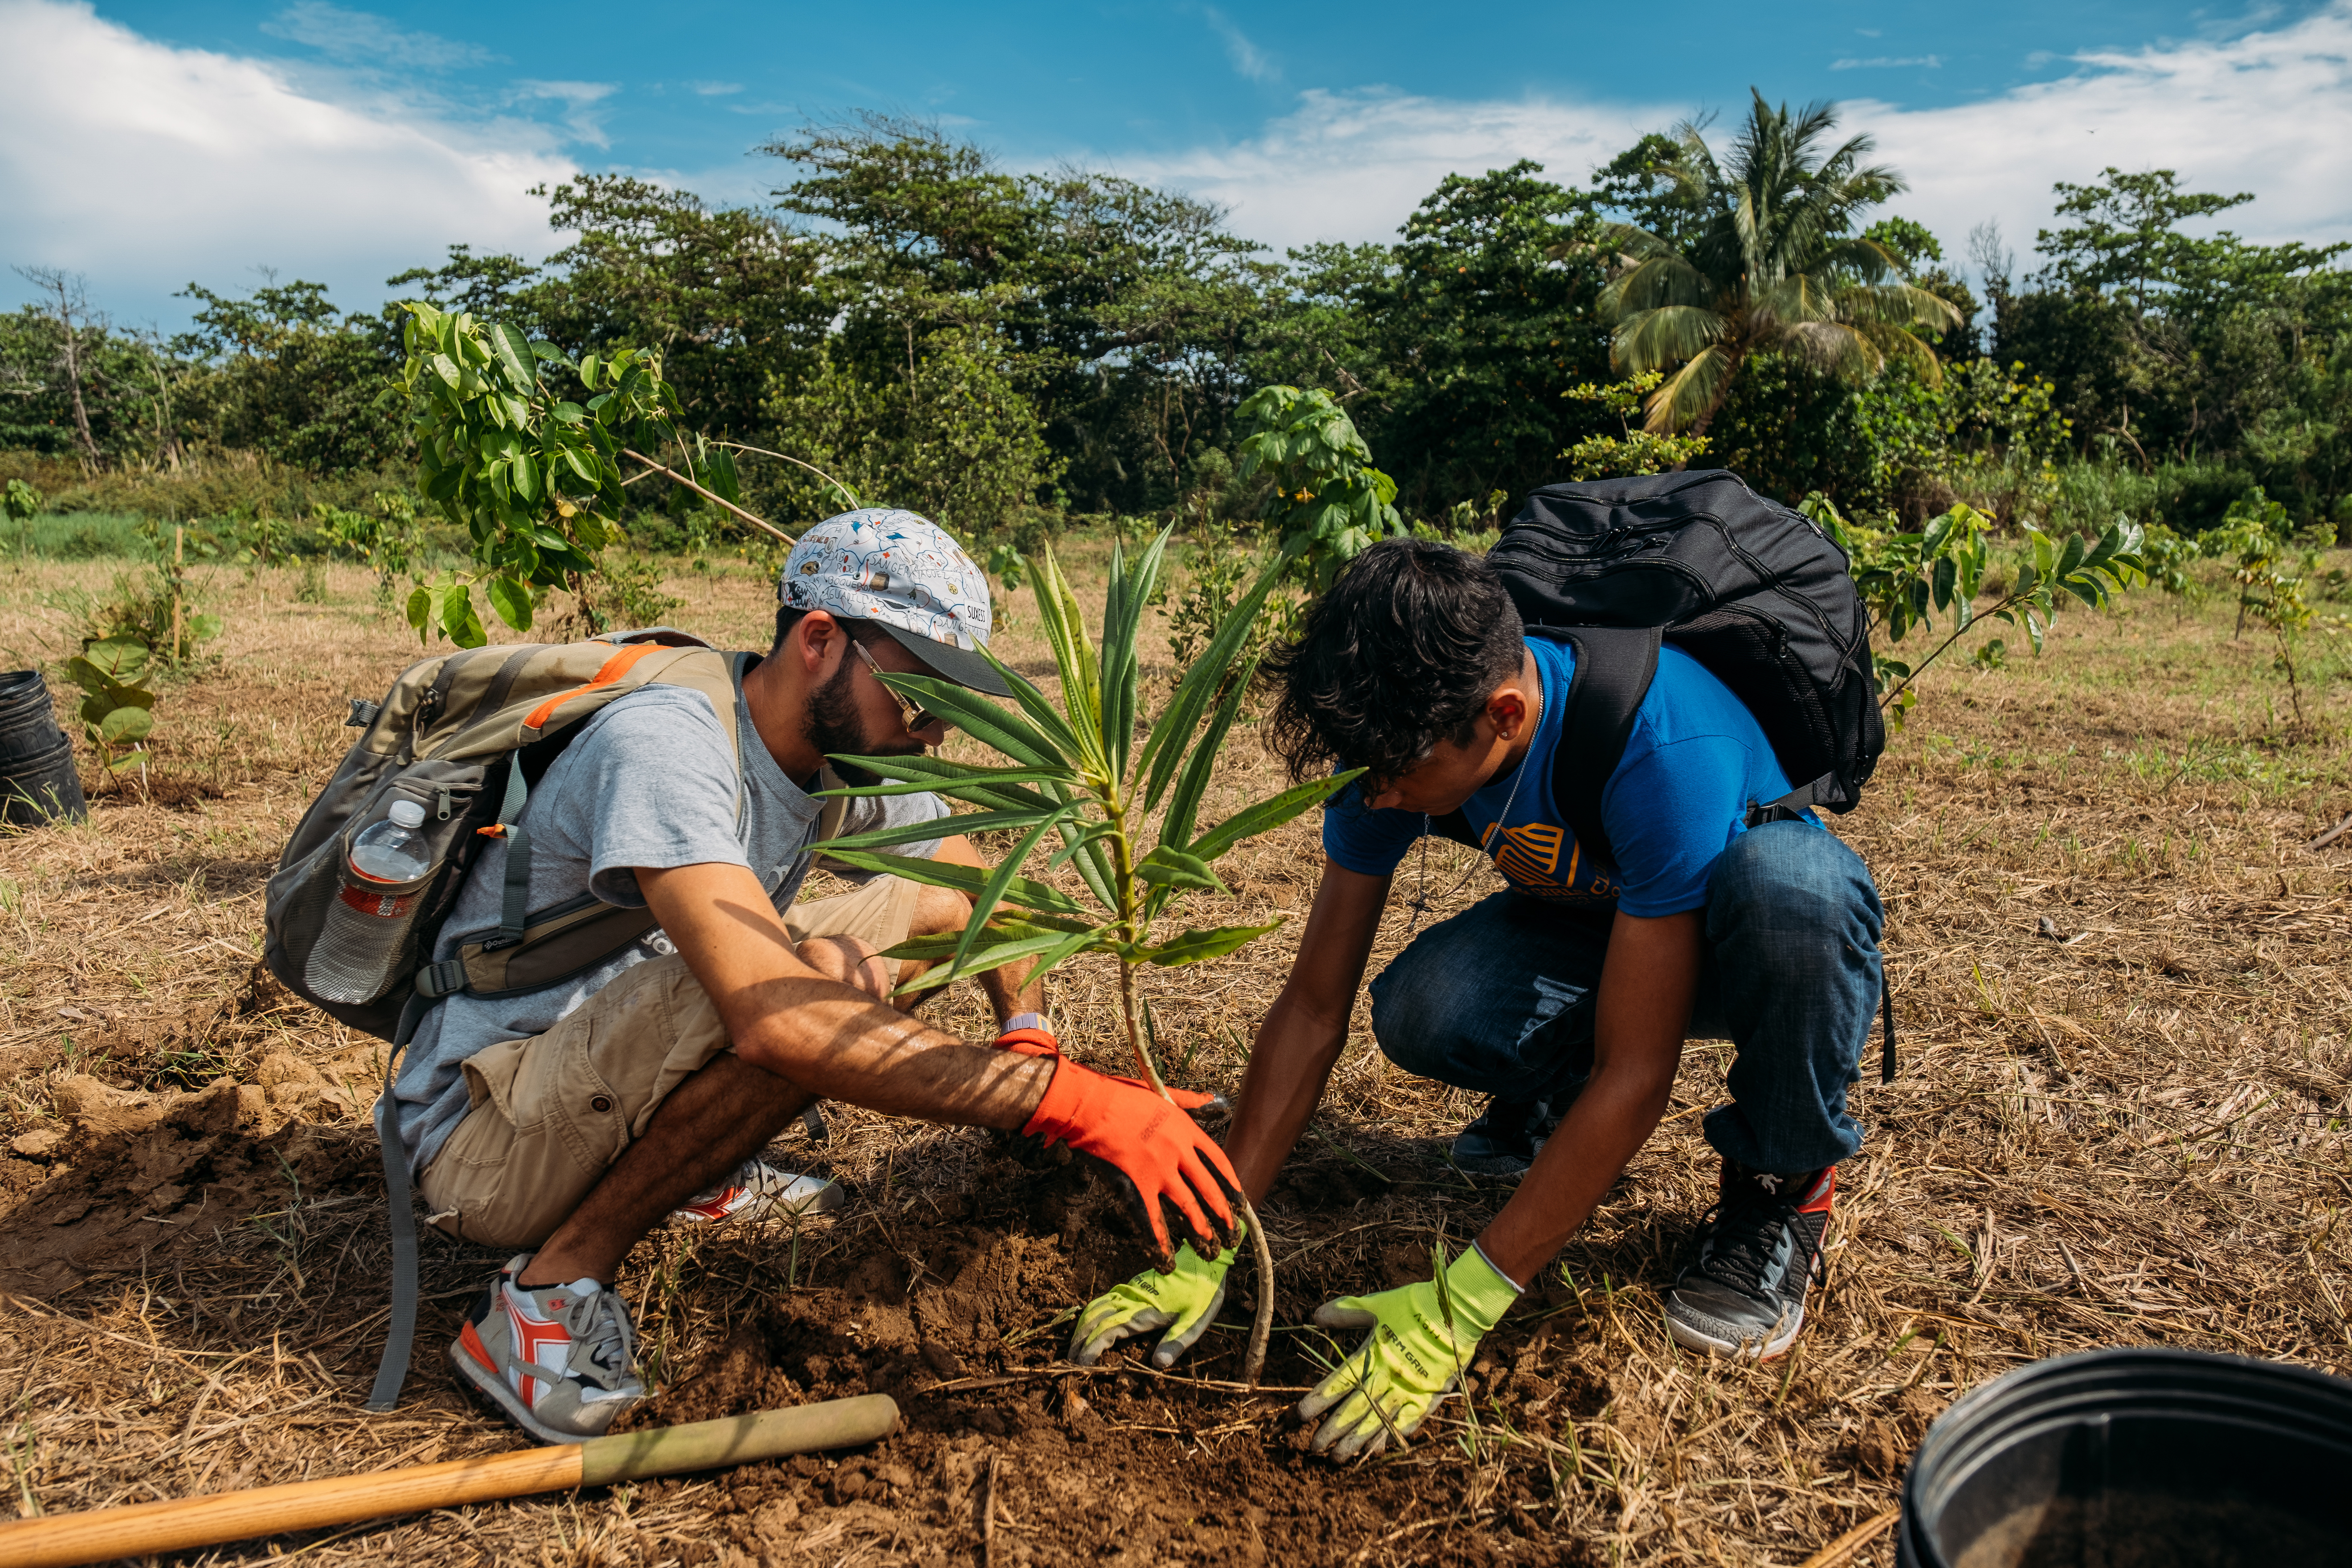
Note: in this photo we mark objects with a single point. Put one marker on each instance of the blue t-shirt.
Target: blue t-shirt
(1679, 796)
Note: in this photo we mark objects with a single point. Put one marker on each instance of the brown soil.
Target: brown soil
(2133, 1133)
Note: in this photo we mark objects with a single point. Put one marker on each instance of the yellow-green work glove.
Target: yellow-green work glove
(1409, 1361)
(1184, 1301)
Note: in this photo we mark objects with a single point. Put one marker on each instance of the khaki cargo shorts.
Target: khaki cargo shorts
(549, 1114)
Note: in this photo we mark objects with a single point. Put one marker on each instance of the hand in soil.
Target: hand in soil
(1184, 1301)
(1422, 1336)
(1164, 1157)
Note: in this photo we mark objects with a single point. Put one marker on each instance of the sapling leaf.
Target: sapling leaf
(969, 880)
(1270, 814)
(1193, 946)
(994, 955)
(974, 822)
(1163, 749)
(979, 718)
(1041, 713)
(1175, 869)
(1176, 828)
(125, 725)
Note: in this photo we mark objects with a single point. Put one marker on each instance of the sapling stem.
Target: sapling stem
(1262, 1329)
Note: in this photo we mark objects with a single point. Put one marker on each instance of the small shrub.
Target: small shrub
(116, 710)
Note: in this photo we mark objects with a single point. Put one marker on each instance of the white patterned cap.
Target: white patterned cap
(902, 572)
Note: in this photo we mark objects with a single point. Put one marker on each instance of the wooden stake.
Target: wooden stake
(179, 560)
(152, 1528)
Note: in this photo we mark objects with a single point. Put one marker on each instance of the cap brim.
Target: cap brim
(949, 662)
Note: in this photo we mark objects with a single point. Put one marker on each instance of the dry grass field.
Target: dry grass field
(2126, 1077)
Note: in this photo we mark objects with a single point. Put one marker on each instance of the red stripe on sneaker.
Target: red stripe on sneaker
(471, 1343)
(1818, 1201)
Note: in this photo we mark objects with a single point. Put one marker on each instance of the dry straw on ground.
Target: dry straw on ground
(2120, 1119)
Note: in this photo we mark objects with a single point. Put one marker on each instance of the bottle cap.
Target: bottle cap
(407, 813)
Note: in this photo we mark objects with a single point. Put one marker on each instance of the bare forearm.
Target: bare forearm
(1640, 1016)
(817, 1033)
(1289, 1064)
(1601, 1134)
(838, 1045)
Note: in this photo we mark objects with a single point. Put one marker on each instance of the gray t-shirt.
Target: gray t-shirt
(649, 781)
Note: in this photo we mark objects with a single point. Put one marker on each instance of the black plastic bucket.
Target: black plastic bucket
(2137, 1458)
(37, 781)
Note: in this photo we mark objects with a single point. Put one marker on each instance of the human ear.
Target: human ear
(820, 636)
(1506, 711)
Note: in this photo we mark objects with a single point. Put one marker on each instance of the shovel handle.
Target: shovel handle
(148, 1528)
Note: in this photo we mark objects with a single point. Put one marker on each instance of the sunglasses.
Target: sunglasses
(916, 718)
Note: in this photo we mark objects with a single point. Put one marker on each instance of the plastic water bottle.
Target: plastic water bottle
(364, 936)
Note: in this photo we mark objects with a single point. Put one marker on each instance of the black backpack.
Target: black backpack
(1755, 592)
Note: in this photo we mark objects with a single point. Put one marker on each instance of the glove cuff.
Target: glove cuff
(1066, 1105)
(1029, 1041)
(1480, 1292)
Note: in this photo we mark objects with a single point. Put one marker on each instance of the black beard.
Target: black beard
(834, 729)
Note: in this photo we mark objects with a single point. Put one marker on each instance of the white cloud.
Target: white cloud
(714, 89)
(1887, 62)
(146, 166)
(580, 99)
(361, 37)
(1249, 59)
(2268, 112)
(1351, 166)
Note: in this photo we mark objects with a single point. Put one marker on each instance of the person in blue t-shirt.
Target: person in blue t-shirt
(1565, 997)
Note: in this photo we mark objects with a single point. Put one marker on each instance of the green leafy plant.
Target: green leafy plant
(522, 447)
(1632, 450)
(20, 503)
(1219, 576)
(1330, 504)
(384, 541)
(2273, 574)
(1092, 775)
(116, 710)
(1909, 579)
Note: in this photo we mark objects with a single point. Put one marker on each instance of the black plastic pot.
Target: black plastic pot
(24, 700)
(37, 781)
(2137, 1458)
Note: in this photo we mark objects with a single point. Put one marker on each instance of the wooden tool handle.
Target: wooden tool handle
(157, 1527)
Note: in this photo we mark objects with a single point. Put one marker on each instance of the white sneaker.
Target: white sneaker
(756, 1190)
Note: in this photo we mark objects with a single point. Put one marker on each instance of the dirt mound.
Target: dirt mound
(1117, 1463)
(135, 1175)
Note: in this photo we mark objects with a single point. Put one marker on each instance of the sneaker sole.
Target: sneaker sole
(827, 1199)
(1504, 1166)
(492, 1387)
(1695, 1339)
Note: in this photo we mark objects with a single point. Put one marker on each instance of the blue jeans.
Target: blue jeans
(1500, 999)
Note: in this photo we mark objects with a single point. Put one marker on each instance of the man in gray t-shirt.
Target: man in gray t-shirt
(568, 1121)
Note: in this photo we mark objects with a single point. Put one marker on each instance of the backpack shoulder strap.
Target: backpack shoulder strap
(1614, 667)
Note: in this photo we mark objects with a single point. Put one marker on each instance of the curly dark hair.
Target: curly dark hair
(1401, 654)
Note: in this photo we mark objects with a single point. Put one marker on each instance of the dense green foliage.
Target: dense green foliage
(1002, 350)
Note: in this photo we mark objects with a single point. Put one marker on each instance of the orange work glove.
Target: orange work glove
(1035, 1040)
(1164, 1157)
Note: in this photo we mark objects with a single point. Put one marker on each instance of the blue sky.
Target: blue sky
(157, 143)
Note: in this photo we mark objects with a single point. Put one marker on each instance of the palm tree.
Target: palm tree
(1771, 268)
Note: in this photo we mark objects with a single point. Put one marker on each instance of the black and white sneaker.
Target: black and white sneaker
(1744, 1295)
(1504, 1140)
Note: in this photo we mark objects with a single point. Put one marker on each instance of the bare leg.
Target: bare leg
(943, 910)
(712, 1122)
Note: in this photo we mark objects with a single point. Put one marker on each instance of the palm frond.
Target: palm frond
(1689, 391)
(1654, 340)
